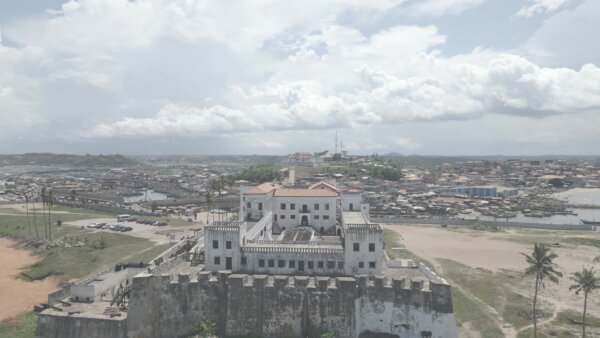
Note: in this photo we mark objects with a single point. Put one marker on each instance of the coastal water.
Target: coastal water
(573, 196)
(146, 195)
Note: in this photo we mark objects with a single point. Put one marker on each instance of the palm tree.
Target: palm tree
(27, 212)
(542, 267)
(586, 281)
(43, 193)
(37, 234)
(50, 203)
(208, 198)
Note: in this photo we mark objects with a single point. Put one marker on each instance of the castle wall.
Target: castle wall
(63, 325)
(265, 306)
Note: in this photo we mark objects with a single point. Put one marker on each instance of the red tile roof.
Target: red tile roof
(287, 192)
(260, 189)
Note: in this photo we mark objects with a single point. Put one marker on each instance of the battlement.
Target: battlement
(287, 249)
(224, 226)
(359, 284)
(366, 227)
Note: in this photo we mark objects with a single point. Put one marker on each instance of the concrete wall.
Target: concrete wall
(264, 305)
(310, 202)
(363, 237)
(547, 226)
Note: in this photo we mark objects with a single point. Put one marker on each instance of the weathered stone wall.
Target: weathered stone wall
(263, 306)
(79, 326)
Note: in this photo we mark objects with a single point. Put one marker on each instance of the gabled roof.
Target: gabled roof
(324, 185)
(260, 189)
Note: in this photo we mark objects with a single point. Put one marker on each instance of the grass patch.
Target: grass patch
(77, 262)
(482, 226)
(23, 327)
(493, 289)
(150, 254)
(478, 318)
(394, 247)
(583, 241)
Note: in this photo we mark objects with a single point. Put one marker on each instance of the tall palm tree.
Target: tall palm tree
(43, 193)
(542, 267)
(37, 234)
(27, 212)
(50, 203)
(586, 281)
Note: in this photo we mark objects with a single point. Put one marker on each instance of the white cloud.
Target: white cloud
(441, 7)
(391, 77)
(541, 6)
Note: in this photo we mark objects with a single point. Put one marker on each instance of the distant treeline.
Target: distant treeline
(259, 174)
(67, 160)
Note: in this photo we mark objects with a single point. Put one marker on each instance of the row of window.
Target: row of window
(316, 206)
(294, 217)
(356, 247)
(281, 263)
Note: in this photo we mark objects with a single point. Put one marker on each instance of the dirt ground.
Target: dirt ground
(19, 296)
(501, 250)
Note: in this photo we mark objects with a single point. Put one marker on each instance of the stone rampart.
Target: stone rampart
(266, 306)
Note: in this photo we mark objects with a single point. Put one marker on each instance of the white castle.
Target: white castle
(319, 230)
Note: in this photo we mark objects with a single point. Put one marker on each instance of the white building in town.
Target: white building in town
(319, 230)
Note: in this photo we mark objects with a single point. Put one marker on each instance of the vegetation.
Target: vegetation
(148, 255)
(258, 174)
(22, 327)
(393, 246)
(584, 281)
(542, 267)
(482, 226)
(207, 328)
(469, 312)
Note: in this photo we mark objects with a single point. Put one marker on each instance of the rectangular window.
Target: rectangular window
(217, 260)
(326, 206)
(271, 263)
(330, 264)
(325, 216)
(292, 206)
(282, 206)
(372, 247)
(282, 217)
(316, 206)
(215, 244)
(311, 264)
(260, 206)
(292, 216)
(249, 205)
(281, 263)
(320, 264)
(261, 263)
(340, 265)
(292, 264)
(316, 216)
(361, 265)
(244, 261)
(372, 265)
(227, 244)
(356, 247)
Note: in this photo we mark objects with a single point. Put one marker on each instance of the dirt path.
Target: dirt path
(19, 296)
(558, 306)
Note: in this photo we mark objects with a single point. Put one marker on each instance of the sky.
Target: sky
(430, 77)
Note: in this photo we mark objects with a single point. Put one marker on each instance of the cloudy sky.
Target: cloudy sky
(442, 77)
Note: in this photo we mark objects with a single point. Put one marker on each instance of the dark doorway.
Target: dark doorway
(322, 230)
(228, 263)
(300, 265)
(351, 207)
(339, 232)
(304, 221)
(304, 208)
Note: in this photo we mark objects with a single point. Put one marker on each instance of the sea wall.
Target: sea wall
(268, 306)
(546, 226)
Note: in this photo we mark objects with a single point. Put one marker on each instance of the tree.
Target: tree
(43, 196)
(27, 211)
(154, 206)
(73, 194)
(50, 203)
(542, 267)
(327, 335)
(585, 281)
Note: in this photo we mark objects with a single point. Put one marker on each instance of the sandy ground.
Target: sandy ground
(19, 296)
(495, 251)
